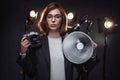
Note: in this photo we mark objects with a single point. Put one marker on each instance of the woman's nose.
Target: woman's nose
(53, 19)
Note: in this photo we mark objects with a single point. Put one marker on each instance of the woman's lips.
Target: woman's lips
(53, 25)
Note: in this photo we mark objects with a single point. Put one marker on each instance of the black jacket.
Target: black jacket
(36, 64)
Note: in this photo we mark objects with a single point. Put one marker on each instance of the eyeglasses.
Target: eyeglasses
(55, 17)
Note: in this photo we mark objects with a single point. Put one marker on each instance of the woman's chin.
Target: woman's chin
(53, 29)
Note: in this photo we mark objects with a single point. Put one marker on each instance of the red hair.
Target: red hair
(42, 22)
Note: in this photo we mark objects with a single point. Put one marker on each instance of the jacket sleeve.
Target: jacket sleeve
(87, 66)
(28, 64)
(90, 64)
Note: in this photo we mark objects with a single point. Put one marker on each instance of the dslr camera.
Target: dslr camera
(34, 38)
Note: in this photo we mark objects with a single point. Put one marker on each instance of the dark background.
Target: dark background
(12, 29)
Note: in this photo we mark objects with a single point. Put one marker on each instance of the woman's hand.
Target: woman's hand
(24, 45)
(94, 45)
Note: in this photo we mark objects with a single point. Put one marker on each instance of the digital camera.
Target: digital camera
(34, 38)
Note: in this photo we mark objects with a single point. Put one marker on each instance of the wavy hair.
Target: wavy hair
(42, 23)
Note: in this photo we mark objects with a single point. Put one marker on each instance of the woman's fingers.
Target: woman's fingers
(24, 44)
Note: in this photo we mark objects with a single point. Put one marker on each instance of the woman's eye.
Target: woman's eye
(49, 16)
(57, 16)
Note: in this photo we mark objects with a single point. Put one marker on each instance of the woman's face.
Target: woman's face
(54, 20)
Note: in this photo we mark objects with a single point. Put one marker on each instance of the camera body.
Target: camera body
(34, 39)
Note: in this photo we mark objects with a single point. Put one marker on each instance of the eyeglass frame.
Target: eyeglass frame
(55, 17)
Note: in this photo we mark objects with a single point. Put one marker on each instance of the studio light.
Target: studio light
(70, 15)
(30, 19)
(109, 23)
(33, 14)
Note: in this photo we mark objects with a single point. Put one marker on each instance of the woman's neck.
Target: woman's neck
(54, 34)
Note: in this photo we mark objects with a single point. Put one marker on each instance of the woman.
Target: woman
(48, 62)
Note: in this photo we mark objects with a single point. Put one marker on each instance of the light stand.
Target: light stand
(108, 24)
(104, 55)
